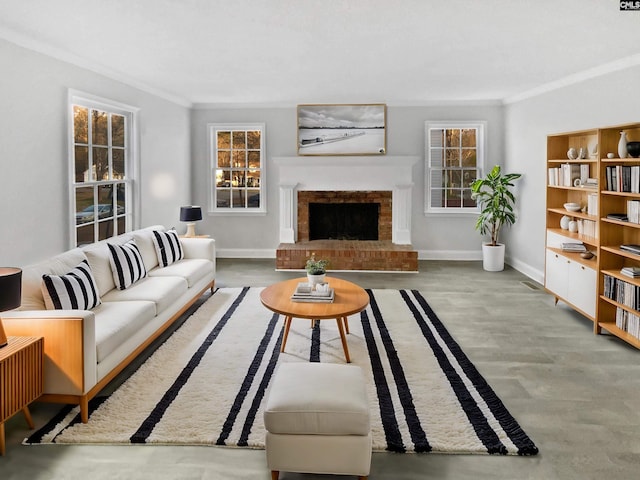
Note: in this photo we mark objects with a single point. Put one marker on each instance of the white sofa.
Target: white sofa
(85, 349)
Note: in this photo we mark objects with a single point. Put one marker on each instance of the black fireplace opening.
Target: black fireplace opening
(343, 221)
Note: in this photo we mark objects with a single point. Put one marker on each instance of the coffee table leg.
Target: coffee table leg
(343, 338)
(287, 326)
(346, 325)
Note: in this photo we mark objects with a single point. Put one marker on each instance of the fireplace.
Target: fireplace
(385, 183)
(343, 221)
(344, 215)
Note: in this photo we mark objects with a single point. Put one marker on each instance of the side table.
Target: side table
(21, 379)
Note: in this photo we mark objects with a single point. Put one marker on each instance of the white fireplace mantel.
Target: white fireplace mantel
(386, 172)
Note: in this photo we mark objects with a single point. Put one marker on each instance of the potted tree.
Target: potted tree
(316, 270)
(496, 201)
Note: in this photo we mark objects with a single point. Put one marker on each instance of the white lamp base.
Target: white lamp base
(191, 229)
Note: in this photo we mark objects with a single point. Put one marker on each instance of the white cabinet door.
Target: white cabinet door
(556, 274)
(571, 281)
(582, 287)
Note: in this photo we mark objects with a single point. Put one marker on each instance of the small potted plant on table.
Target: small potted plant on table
(316, 270)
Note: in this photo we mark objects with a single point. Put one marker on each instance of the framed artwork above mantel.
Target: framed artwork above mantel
(342, 129)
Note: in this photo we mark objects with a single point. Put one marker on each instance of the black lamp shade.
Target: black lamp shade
(190, 213)
(10, 288)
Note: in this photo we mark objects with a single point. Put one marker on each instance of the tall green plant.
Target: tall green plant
(496, 202)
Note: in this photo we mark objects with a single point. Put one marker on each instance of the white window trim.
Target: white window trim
(212, 209)
(77, 97)
(481, 125)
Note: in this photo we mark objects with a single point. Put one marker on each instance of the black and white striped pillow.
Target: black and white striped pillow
(126, 264)
(168, 247)
(76, 290)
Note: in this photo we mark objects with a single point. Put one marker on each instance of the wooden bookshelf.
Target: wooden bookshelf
(576, 281)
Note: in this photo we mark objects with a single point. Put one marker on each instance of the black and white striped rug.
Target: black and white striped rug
(206, 385)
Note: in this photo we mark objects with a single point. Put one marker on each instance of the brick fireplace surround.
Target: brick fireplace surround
(379, 254)
(386, 180)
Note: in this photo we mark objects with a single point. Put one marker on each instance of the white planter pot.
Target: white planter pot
(315, 279)
(493, 257)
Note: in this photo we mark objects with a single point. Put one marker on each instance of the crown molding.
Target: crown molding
(59, 54)
(588, 74)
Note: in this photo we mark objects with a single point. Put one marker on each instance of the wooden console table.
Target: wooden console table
(21, 379)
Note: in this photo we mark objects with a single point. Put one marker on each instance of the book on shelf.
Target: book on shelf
(573, 247)
(570, 172)
(584, 173)
(587, 228)
(630, 247)
(631, 271)
(623, 178)
(592, 204)
(622, 217)
(306, 293)
(633, 211)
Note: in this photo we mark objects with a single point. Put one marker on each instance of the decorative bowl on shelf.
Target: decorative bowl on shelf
(572, 207)
(633, 149)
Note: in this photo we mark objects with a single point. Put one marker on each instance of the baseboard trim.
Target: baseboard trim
(460, 255)
(448, 255)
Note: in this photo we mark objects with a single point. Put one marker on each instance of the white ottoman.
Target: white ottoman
(317, 420)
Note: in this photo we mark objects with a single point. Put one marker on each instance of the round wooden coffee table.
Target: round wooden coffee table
(349, 299)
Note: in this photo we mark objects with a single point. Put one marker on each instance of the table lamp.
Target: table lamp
(10, 294)
(190, 214)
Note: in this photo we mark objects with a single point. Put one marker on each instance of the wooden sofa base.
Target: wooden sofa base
(83, 400)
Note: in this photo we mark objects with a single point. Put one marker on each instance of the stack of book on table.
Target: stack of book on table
(631, 248)
(631, 271)
(306, 293)
(573, 247)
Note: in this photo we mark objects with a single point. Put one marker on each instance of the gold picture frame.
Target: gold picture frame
(342, 129)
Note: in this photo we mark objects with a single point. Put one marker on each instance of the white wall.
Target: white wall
(433, 236)
(33, 152)
(608, 100)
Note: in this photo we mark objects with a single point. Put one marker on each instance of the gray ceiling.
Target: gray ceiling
(284, 52)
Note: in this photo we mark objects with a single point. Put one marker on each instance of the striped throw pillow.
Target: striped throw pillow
(168, 247)
(126, 264)
(76, 290)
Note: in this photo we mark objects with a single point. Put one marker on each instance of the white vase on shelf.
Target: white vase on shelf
(622, 145)
(573, 226)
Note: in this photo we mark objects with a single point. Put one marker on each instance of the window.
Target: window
(237, 168)
(102, 169)
(454, 159)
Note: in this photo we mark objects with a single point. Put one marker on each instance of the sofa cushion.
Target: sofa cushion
(75, 290)
(116, 322)
(99, 259)
(192, 270)
(168, 247)
(126, 264)
(144, 241)
(32, 298)
(163, 291)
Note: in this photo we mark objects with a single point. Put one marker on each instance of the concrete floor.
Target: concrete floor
(576, 395)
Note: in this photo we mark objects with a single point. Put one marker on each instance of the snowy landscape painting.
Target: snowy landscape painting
(342, 129)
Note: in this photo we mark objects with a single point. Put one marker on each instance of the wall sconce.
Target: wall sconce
(10, 294)
(190, 214)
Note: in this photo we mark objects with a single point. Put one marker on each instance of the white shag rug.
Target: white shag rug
(207, 384)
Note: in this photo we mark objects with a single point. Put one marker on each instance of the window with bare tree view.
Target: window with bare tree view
(455, 153)
(237, 168)
(102, 171)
